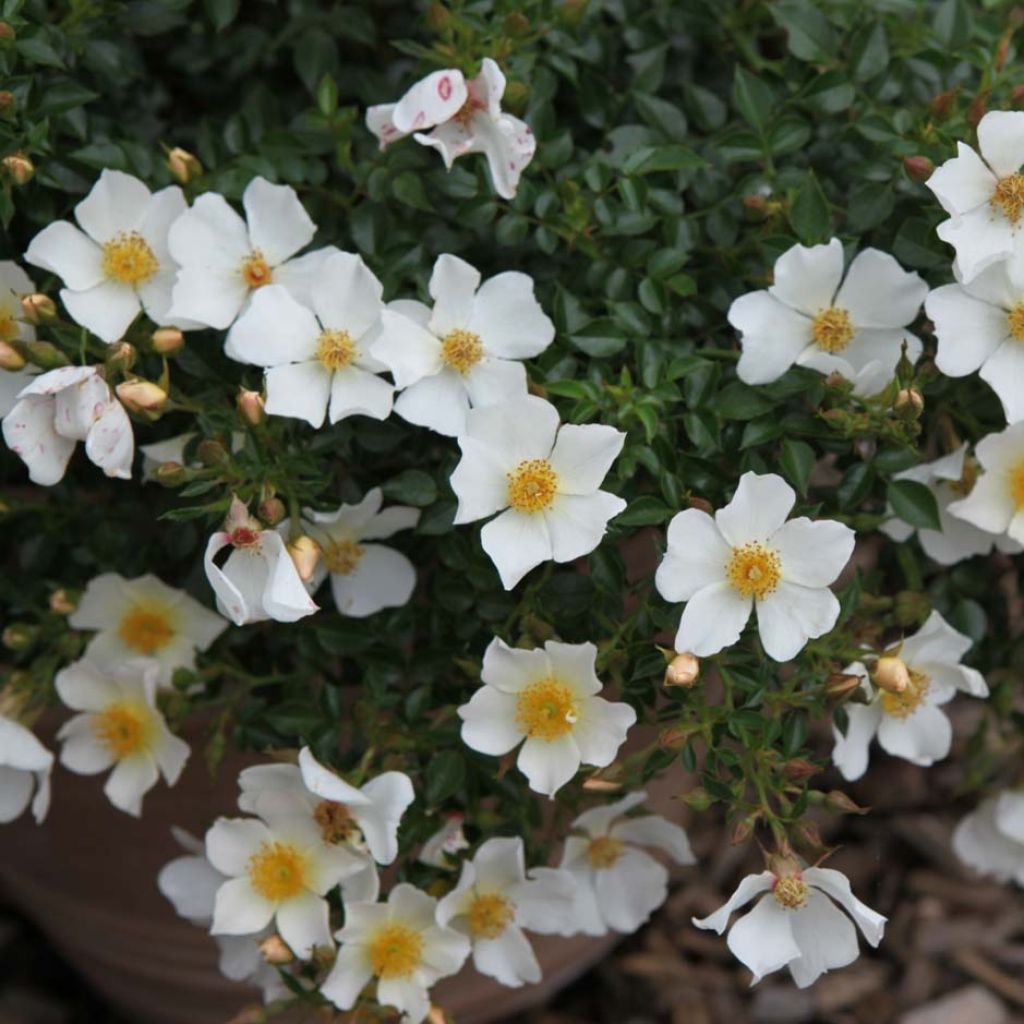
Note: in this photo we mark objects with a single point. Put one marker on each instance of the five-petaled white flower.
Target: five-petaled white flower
(401, 945)
(618, 884)
(812, 316)
(364, 577)
(909, 722)
(996, 502)
(466, 117)
(144, 618)
(119, 262)
(984, 195)
(748, 556)
(58, 409)
(547, 700)
(25, 766)
(120, 727)
(991, 838)
(464, 352)
(543, 478)
(496, 898)
(797, 925)
(318, 358)
(259, 579)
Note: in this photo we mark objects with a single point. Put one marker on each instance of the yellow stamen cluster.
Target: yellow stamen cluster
(124, 728)
(905, 702)
(1017, 485)
(489, 915)
(395, 951)
(1015, 321)
(335, 350)
(128, 258)
(146, 629)
(790, 892)
(1008, 197)
(832, 330)
(335, 821)
(546, 709)
(461, 350)
(342, 556)
(604, 852)
(532, 486)
(753, 570)
(277, 871)
(256, 271)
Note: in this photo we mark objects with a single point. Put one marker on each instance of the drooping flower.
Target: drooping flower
(991, 838)
(618, 884)
(749, 556)
(909, 723)
(401, 945)
(797, 924)
(496, 898)
(465, 351)
(812, 316)
(144, 618)
(949, 479)
(996, 502)
(320, 358)
(120, 727)
(543, 478)
(25, 766)
(442, 848)
(119, 262)
(984, 195)
(259, 580)
(60, 408)
(466, 117)
(547, 700)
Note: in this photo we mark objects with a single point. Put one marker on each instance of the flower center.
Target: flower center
(256, 271)
(277, 871)
(532, 486)
(145, 629)
(1017, 485)
(335, 349)
(754, 570)
(1008, 197)
(832, 330)
(489, 915)
(395, 951)
(461, 350)
(546, 709)
(604, 852)
(245, 537)
(128, 258)
(342, 556)
(335, 821)
(909, 699)
(1015, 321)
(123, 728)
(790, 892)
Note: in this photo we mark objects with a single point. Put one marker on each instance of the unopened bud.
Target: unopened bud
(807, 833)
(911, 607)
(184, 167)
(909, 404)
(121, 356)
(170, 474)
(918, 167)
(271, 511)
(742, 830)
(1017, 95)
(18, 636)
(18, 169)
(796, 769)
(251, 407)
(977, 110)
(839, 803)
(6, 32)
(597, 784)
(1002, 49)
(14, 697)
(683, 670)
(891, 673)
(673, 738)
(516, 96)
(167, 340)
(438, 17)
(275, 950)
(8, 103)
(305, 553)
(839, 685)
(703, 504)
(942, 104)
(10, 357)
(756, 204)
(38, 309)
(212, 453)
(517, 24)
(61, 602)
(698, 798)
(142, 396)
(573, 10)
(45, 355)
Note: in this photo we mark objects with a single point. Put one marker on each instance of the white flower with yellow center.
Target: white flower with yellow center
(749, 557)
(466, 117)
(543, 478)
(921, 675)
(797, 924)
(991, 838)
(618, 883)
(996, 502)
(441, 849)
(984, 195)
(144, 618)
(224, 260)
(119, 262)
(398, 943)
(465, 351)
(259, 580)
(276, 872)
(496, 898)
(55, 411)
(814, 316)
(25, 766)
(547, 701)
(320, 358)
(120, 727)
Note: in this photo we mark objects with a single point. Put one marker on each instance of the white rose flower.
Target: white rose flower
(120, 727)
(495, 899)
(144, 618)
(318, 358)
(543, 478)
(748, 556)
(119, 262)
(991, 838)
(618, 884)
(442, 847)
(996, 502)
(466, 117)
(984, 195)
(25, 766)
(812, 316)
(464, 352)
(259, 580)
(547, 700)
(60, 408)
(401, 945)
(910, 724)
(797, 925)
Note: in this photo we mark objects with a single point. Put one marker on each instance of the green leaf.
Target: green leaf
(661, 115)
(407, 188)
(222, 12)
(327, 96)
(648, 159)
(870, 205)
(914, 504)
(809, 213)
(600, 338)
(869, 52)
(953, 24)
(796, 463)
(752, 98)
(411, 487)
(39, 51)
(644, 511)
(445, 776)
(809, 34)
(738, 401)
